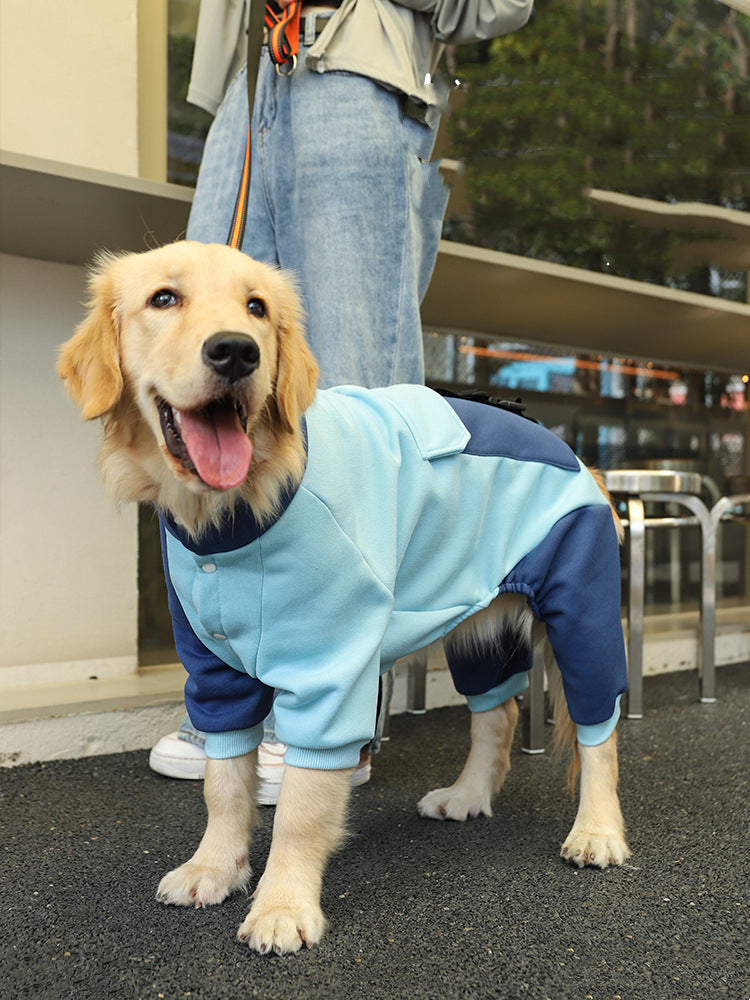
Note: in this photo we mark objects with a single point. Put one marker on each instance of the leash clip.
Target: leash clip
(283, 27)
(286, 68)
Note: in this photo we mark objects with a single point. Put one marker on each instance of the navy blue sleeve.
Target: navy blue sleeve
(218, 698)
(572, 580)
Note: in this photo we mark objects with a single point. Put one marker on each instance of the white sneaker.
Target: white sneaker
(271, 771)
(175, 757)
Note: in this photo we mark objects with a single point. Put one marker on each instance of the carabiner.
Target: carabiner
(286, 68)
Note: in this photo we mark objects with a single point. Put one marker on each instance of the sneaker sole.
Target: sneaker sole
(172, 767)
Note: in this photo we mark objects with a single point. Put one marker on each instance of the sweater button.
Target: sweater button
(209, 567)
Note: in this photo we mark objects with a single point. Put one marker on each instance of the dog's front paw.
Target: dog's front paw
(196, 884)
(282, 926)
(594, 848)
(456, 802)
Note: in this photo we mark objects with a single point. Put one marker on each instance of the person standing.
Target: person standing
(343, 194)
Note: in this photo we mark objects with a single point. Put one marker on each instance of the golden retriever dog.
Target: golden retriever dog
(311, 538)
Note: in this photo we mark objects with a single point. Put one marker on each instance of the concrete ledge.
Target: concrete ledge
(112, 715)
(76, 211)
(87, 718)
(65, 213)
(86, 734)
(145, 688)
(671, 640)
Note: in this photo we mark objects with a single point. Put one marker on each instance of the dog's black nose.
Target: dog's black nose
(231, 355)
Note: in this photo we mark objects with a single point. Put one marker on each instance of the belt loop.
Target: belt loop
(310, 25)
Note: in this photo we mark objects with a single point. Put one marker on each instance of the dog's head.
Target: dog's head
(194, 357)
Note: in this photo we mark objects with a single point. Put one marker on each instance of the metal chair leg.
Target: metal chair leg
(636, 597)
(416, 692)
(707, 626)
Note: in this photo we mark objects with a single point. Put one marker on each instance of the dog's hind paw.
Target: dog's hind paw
(458, 803)
(596, 849)
(283, 928)
(195, 884)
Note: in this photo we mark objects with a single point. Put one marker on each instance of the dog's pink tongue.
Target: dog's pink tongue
(220, 449)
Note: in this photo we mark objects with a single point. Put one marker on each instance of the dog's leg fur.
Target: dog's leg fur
(485, 769)
(497, 632)
(220, 865)
(598, 834)
(307, 829)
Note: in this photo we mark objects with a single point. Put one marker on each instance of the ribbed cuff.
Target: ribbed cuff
(593, 736)
(236, 743)
(497, 695)
(325, 760)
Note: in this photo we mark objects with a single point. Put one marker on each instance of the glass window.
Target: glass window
(649, 98)
(187, 125)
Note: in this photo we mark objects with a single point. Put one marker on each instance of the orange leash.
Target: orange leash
(283, 35)
(283, 27)
(239, 215)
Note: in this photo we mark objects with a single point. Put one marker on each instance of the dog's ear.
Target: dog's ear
(297, 373)
(89, 362)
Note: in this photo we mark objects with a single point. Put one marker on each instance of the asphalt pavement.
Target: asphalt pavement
(417, 909)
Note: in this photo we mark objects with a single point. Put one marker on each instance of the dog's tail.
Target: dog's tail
(599, 480)
(564, 740)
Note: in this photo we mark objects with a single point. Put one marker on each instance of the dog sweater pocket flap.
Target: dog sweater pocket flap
(436, 428)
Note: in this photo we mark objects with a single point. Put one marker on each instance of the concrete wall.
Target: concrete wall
(69, 81)
(82, 83)
(68, 583)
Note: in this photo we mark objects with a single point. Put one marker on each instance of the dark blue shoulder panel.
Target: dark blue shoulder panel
(500, 433)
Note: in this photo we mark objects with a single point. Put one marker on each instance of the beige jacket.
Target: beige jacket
(396, 44)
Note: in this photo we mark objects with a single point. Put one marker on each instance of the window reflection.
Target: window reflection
(650, 99)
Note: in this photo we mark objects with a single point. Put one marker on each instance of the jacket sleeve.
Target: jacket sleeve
(457, 22)
(220, 50)
(572, 581)
(227, 705)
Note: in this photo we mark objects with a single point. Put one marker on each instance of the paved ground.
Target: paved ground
(417, 909)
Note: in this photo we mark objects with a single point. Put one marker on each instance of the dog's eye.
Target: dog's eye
(163, 299)
(256, 307)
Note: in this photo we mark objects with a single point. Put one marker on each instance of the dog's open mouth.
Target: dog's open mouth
(212, 441)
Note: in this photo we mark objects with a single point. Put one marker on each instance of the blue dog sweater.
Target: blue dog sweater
(414, 512)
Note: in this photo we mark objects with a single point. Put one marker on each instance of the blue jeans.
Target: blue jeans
(343, 195)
